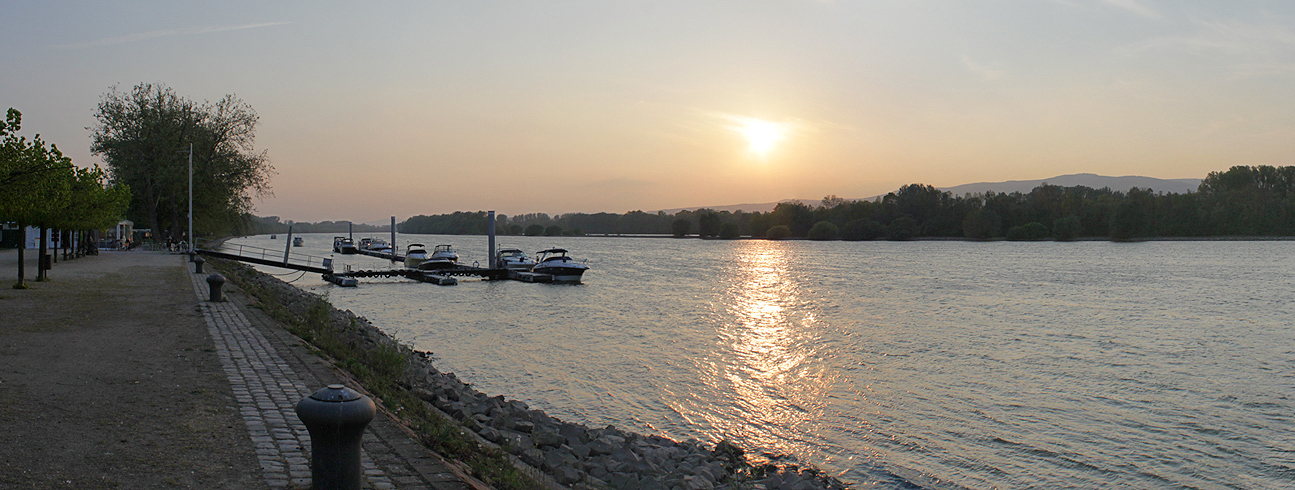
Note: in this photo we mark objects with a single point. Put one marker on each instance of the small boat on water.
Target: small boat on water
(415, 255)
(274, 236)
(514, 260)
(374, 244)
(556, 263)
(297, 242)
(443, 257)
(345, 246)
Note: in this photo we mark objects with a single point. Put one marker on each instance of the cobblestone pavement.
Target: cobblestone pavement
(270, 372)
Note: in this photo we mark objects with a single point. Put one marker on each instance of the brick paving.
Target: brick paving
(270, 371)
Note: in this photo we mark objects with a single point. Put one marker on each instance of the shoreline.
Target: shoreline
(551, 451)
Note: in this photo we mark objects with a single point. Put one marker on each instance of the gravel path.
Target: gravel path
(116, 373)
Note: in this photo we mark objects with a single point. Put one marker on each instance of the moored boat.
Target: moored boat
(556, 263)
(415, 255)
(443, 257)
(514, 260)
(343, 245)
(297, 242)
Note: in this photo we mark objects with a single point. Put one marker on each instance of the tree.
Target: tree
(143, 136)
(777, 232)
(552, 230)
(534, 230)
(981, 224)
(707, 223)
(902, 228)
(863, 229)
(1067, 229)
(729, 231)
(824, 230)
(680, 228)
(1032, 231)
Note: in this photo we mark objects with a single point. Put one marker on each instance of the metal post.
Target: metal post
(490, 231)
(336, 417)
(287, 248)
(214, 282)
(191, 241)
(393, 239)
(350, 230)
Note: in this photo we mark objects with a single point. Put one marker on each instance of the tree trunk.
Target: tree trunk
(22, 246)
(40, 259)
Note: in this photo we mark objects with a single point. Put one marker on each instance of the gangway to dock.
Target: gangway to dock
(275, 258)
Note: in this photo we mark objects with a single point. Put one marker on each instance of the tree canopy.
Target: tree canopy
(144, 136)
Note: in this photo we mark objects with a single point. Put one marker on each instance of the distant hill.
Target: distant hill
(1095, 181)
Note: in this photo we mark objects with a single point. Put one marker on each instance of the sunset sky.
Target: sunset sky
(370, 110)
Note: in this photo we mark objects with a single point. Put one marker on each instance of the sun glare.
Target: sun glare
(761, 136)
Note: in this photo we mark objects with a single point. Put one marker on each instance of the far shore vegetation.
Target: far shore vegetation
(1242, 201)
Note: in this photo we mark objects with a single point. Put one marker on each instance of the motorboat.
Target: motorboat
(374, 244)
(297, 242)
(557, 263)
(345, 246)
(443, 257)
(514, 260)
(415, 255)
(274, 236)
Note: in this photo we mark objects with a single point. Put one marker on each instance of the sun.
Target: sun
(761, 136)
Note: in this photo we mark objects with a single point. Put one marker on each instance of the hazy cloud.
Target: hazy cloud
(985, 72)
(1136, 8)
(1251, 50)
(143, 36)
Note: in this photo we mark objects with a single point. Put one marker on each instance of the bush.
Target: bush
(777, 232)
(1028, 232)
(863, 229)
(729, 231)
(1068, 228)
(981, 224)
(680, 227)
(902, 228)
(824, 230)
(534, 230)
(553, 230)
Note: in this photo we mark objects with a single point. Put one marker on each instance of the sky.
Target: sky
(377, 109)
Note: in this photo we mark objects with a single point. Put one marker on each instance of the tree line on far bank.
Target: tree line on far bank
(1241, 201)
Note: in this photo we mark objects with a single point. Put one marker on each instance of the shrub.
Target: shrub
(553, 230)
(777, 232)
(1030, 231)
(729, 231)
(902, 228)
(534, 230)
(680, 227)
(824, 230)
(1068, 228)
(863, 229)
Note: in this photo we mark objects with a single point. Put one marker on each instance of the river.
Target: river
(944, 364)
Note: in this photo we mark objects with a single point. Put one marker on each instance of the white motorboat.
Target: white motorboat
(443, 257)
(415, 255)
(514, 260)
(343, 245)
(297, 242)
(556, 263)
(374, 244)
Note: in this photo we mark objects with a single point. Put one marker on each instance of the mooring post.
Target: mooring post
(287, 246)
(393, 239)
(336, 417)
(490, 231)
(197, 265)
(215, 281)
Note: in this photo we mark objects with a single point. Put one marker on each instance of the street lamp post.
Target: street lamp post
(190, 242)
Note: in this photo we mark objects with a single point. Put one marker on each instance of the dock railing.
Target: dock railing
(274, 257)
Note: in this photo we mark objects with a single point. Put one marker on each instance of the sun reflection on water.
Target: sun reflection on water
(767, 357)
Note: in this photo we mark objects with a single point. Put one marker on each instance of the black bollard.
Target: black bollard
(215, 281)
(336, 417)
(197, 265)
(192, 255)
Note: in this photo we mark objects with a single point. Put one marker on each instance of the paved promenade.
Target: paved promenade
(220, 379)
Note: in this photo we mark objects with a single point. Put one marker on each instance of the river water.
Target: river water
(939, 364)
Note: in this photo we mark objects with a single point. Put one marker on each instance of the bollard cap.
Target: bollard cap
(336, 393)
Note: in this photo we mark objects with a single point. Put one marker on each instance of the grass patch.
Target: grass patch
(381, 369)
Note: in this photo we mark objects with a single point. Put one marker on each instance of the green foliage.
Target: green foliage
(534, 230)
(729, 231)
(824, 230)
(981, 224)
(457, 223)
(902, 228)
(680, 228)
(863, 229)
(708, 223)
(1032, 231)
(552, 230)
(144, 137)
(778, 232)
(1067, 229)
